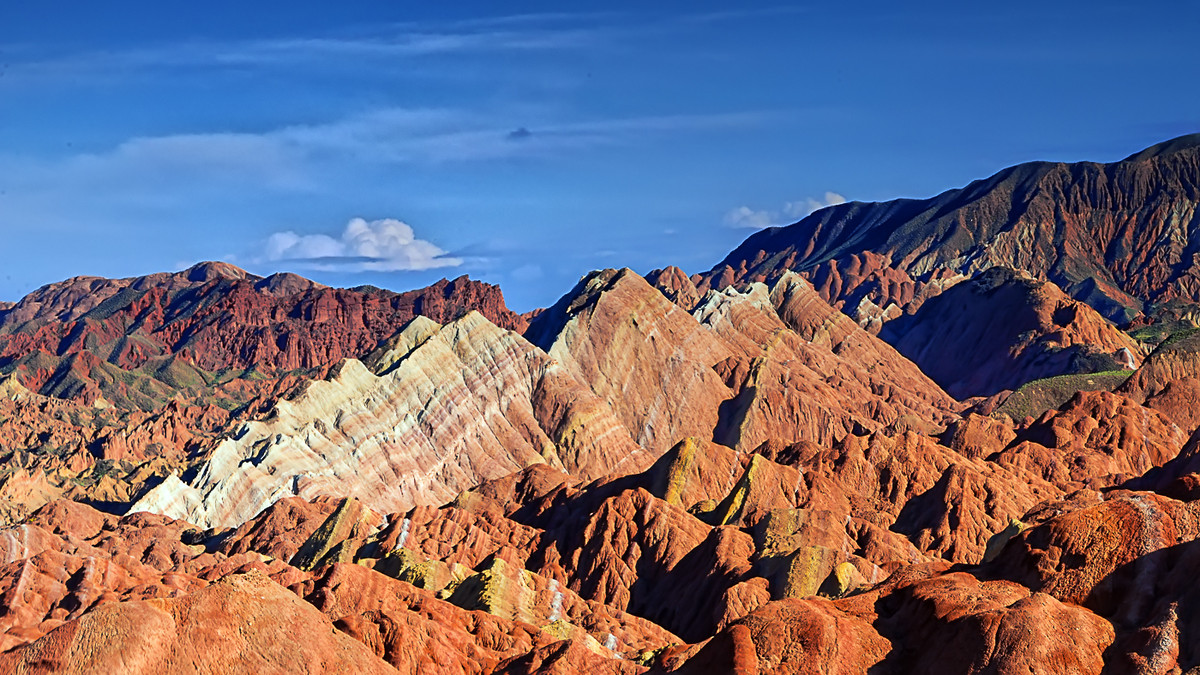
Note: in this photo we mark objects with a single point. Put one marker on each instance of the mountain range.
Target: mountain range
(951, 435)
(1121, 237)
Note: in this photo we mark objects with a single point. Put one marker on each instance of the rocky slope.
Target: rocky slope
(1003, 329)
(1117, 236)
(446, 408)
(536, 572)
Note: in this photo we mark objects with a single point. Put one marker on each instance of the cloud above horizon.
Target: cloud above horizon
(301, 157)
(386, 245)
(746, 217)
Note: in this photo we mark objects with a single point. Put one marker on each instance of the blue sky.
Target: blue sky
(395, 143)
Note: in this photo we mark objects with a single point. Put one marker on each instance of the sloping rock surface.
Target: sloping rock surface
(470, 402)
(1003, 329)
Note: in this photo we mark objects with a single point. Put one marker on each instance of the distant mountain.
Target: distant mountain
(1117, 236)
(138, 339)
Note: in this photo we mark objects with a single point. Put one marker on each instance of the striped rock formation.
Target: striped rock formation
(451, 407)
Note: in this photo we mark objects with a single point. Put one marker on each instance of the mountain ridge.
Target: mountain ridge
(1040, 217)
(216, 318)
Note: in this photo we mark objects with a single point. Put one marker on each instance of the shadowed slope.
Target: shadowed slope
(1003, 329)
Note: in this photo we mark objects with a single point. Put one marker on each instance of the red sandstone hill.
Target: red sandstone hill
(1117, 236)
(139, 339)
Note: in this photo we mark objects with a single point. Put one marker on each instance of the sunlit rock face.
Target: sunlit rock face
(469, 401)
(647, 357)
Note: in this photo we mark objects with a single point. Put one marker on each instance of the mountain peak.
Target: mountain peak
(1182, 143)
(211, 270)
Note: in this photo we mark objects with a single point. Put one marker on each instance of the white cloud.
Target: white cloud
(386, 245)
(744, 216)
(288, 158)
(382, 47)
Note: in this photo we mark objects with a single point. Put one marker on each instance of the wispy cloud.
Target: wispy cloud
(737, 14)
(386, 245)
(802, 208)
(744, 216)
(283, 158)
(384, 45)
(376, 46)
(538, 19)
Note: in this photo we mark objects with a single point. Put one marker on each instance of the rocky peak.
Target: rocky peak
(205, 272)
(676, 285)
(286, 283)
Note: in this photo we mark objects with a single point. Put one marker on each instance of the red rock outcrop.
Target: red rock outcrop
(1130, 558)
(947, 504)
(806, 371)
(71, 571)
(1168, 378)
(213, 317)
(57, 448)
(788, 637)
(676, 285)
(1097, 439)
(647, 357)
(257, 622)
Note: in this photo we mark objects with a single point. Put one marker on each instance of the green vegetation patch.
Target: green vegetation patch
(177, 373)
(1164, 333)
(1038, 396)
(113, 304)
(1178, 337)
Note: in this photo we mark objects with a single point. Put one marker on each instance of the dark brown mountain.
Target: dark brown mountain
(1117, 236)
